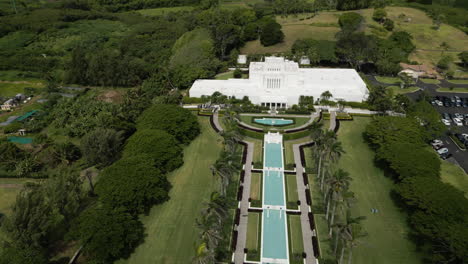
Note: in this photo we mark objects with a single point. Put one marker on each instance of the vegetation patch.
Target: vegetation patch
(254, 236)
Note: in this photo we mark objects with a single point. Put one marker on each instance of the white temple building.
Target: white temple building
(278, 82)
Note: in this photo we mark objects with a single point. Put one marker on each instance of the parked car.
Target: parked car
(442, 151)
(459, 116)
(445, 156)
(461, 138)
(446, 121)
(458, 121)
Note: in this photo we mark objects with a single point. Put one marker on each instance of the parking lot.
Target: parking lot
(454, 106)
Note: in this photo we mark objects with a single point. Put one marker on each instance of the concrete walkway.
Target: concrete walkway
(332, 121)
(244, 204)
(305, 223)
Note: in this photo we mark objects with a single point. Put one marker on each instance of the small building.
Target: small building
(418, 71)
(20, 97)
(9, 104)
(304, 60)
(242, 59)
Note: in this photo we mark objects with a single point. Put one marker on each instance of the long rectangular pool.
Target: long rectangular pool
(274, 220)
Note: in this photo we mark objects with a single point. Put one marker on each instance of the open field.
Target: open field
(454, 175)
(296, 246)
(172, 235)
(387, 240)
(11, 88)
(254, 232)
(299, 121)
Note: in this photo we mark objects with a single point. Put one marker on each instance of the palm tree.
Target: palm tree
(209, 231)
(343, 202)
(341, 232)
(339, 183)
(328, 139)
(203, 255)
(353, 234)
(215, 207)
(335, 152)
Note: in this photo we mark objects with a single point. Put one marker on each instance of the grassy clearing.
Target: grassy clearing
(254, 233)
(454, 175)
(453, 90)
(430, 81)
(388, 80)
(11, 88)
(256, 186)
(164, 10)
(172, 233)
(458, 81)
(397, 90)
(299, 122)
(296, 246)
(291, 185)
(9, 188)
(387, 241)
(229, 75)
(13, 75)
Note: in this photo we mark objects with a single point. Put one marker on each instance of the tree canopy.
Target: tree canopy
(173, 119)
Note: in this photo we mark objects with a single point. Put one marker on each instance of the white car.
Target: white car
(439, 103)
(446, 122)
(458, 121)
(437, 141)
(459, 116)
(442, 151)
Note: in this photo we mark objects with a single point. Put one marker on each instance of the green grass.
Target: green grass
(325, 244)
(388, 80)
(453, 90)
(291, 191)
(229, 75)
(13, 75)
(397, 90)
(458, 81)
(256, 186)
(296, 246)
(387, 241)
(299, 122)
(164, 10)
(258, 149)
(454, 175)
(11, 88)
(254, 232)
(9, 188)
(172, 235)
(288, 149)
(430, 81)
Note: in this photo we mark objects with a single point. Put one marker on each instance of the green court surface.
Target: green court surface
(388, 233)
(172, 235)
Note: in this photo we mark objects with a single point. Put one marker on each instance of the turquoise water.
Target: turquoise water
(273, 157)
(20, 140)
(274, 234)
(274, 191)
(273, 121)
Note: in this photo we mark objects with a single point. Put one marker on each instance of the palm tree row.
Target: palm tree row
(337, 198)
(215, 214)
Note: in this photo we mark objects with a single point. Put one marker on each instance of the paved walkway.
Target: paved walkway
(332, 121)
(305, 223)
(244, 204)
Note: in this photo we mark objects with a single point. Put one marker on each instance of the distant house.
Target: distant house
(418, 71)
(9, 104)
(242, 59)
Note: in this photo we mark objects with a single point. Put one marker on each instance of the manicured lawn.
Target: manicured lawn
(299, 121)
(389, 80)
(453, 90)
(458, 81)
(164, 10)
(228, 75)
(431, 81)
(172, 235)
(325, 243)
(254, 232)
(288, 149)
(451, 173)
(256, 186)
(291, 191)
(296, 246)
(397, 90)
(258, 149)
(387, 241)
